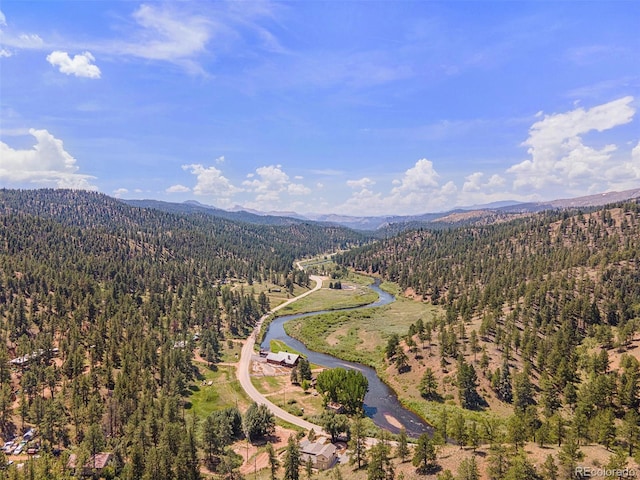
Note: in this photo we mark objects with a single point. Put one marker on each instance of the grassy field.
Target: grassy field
(355, 295)
(359, 335)
(292, 398)
(224, 392)
(230, 351)
(279, 346)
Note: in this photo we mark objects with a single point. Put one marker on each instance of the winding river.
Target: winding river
(380, 403)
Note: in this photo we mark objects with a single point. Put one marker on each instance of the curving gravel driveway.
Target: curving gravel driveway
(244, 364)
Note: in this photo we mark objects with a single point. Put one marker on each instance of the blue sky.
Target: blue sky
(350, 107)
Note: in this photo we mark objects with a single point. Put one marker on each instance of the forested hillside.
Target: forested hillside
(100, 306)
(549, 264)
(540, 317)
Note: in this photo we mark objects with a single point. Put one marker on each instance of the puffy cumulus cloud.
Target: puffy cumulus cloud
(4, 53)
(417, 191)
(119, 192)
(269, 182)
(475, 183)
(46, 164)
(419, 178)
(558, 154)
(177, 189)
(211, 182)
(80, 65)
(496, 181)
(360, 184)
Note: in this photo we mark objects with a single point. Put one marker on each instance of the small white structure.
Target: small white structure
(322, 453)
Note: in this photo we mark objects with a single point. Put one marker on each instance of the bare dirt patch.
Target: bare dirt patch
(254, 456)
(268, 369)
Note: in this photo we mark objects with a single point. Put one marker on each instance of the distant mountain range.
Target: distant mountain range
(488, 213)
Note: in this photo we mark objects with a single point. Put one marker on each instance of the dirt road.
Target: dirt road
(244, 376)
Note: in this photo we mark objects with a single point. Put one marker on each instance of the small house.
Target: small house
(323, 455)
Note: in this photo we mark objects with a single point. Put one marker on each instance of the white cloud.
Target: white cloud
(3, 19)
(168, 34)
(80, 65)
(29, 40)
(496, 181)
(4, 53)
(19, 40)
(210, 181)
(418, 178)
(269, 182)
(558, 155)
(46, 164)
(177, 189)
(474, 183)
(361, 184)
(417, 191)
(298, 189)
(627, 175)
(162, 31)
(119, 192)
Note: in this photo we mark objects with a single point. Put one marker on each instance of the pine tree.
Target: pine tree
(424, 456)
(521, 469)
(549, 468)
(292, 460)
(274, 463)
(467, 383)
(630, 430)
(402, 449)
(459, 429)
(503, 388)
(569, 455)
(468, 469)
(428, 387)
(522, 391)
(380, 466)
(308, 467)
(357, 442)
(498, 461)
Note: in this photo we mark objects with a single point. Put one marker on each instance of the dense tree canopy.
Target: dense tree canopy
(107, 302)
(347, 387)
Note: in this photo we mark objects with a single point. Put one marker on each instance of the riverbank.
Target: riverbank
(360, 335)
(354, 294)
(381, 404)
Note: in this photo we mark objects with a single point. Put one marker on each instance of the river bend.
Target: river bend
(380, 402)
